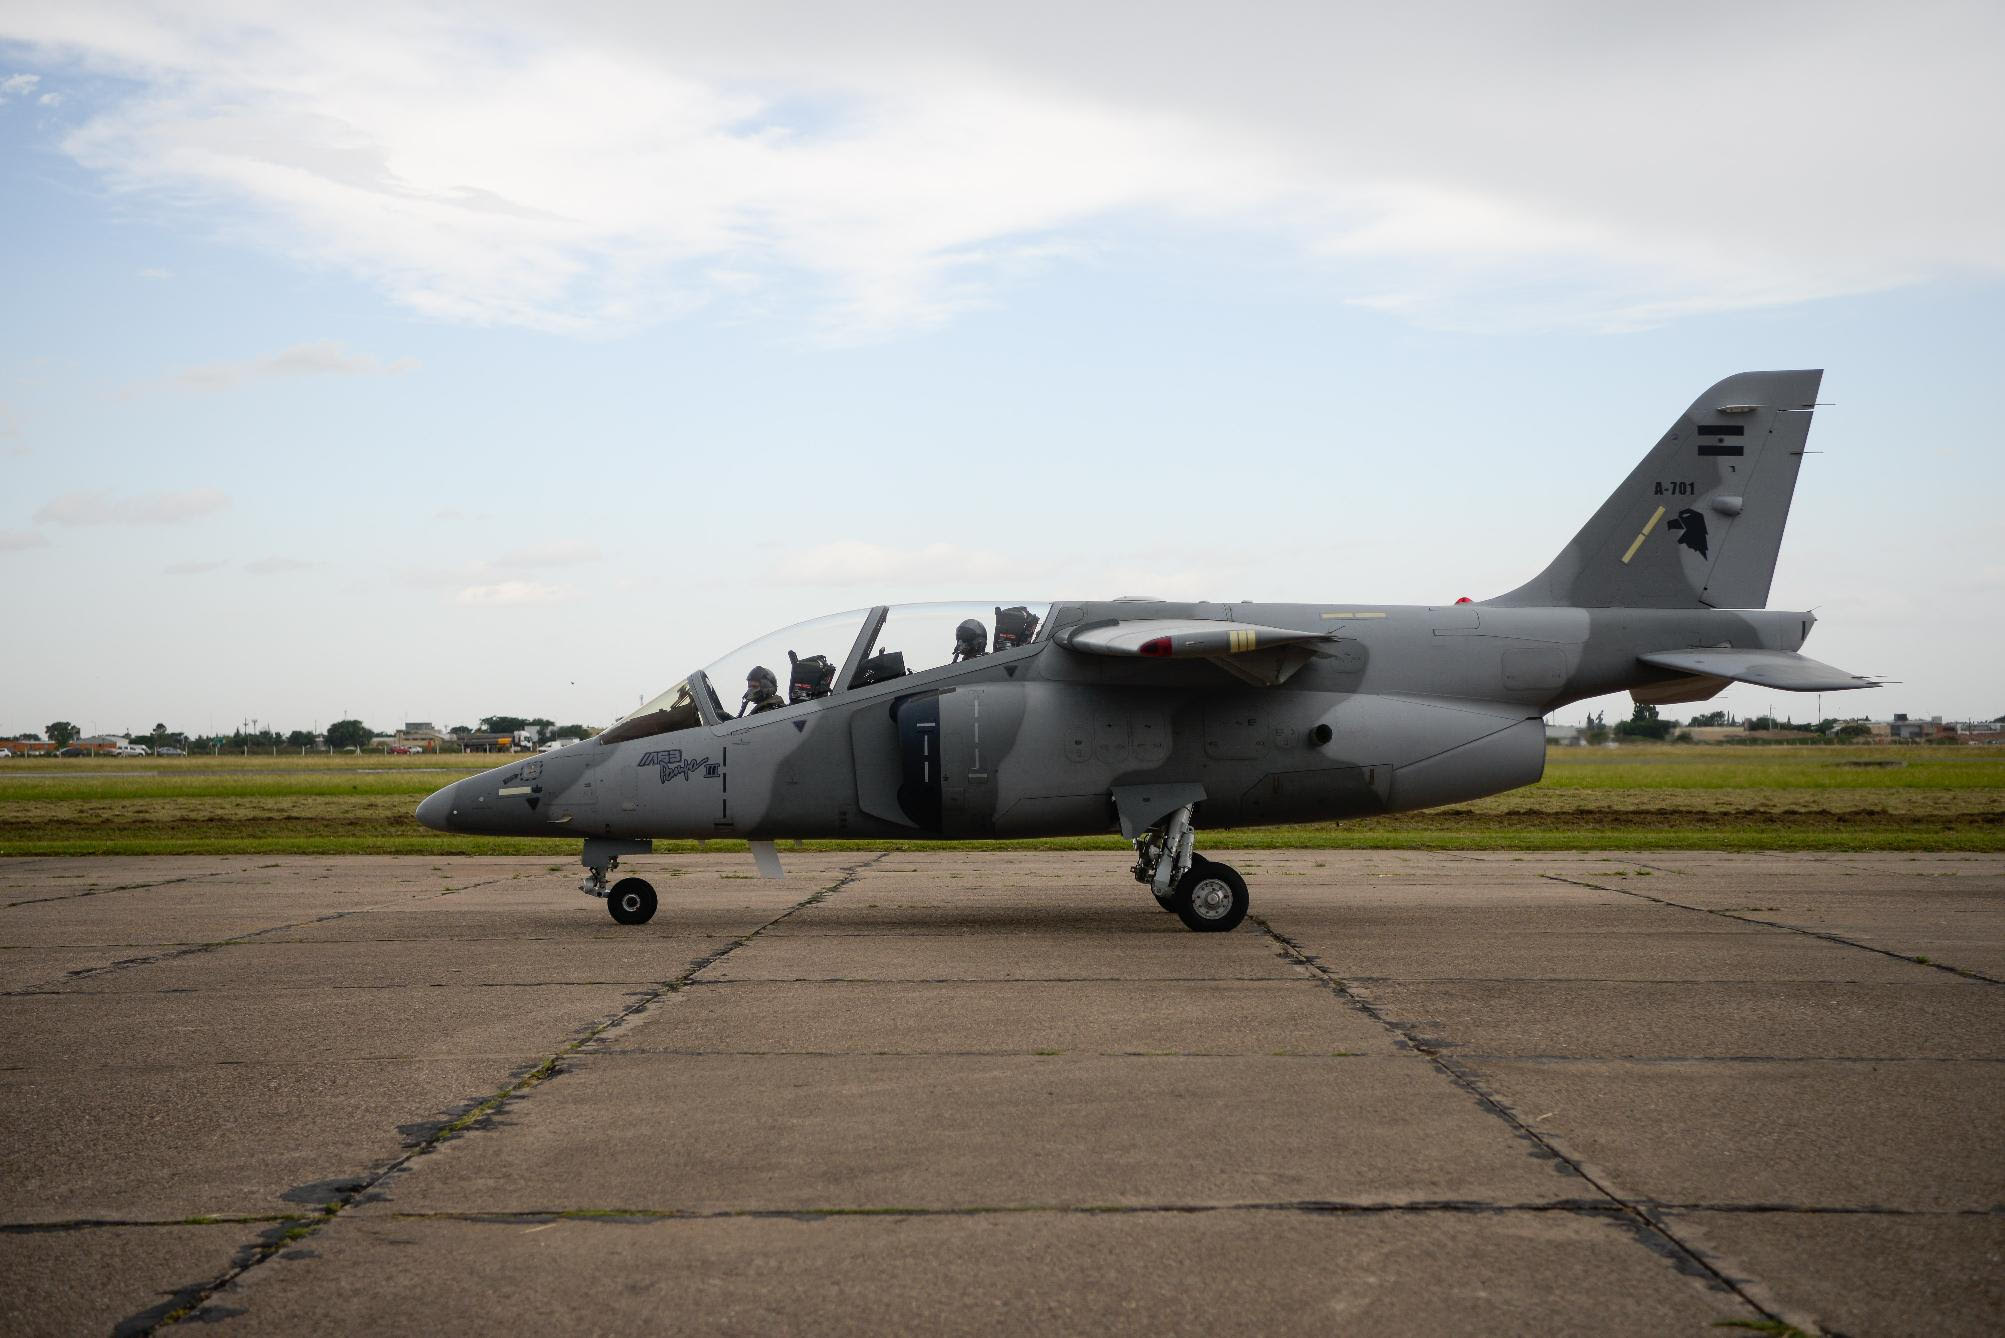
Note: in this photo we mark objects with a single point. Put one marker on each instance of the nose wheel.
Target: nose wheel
(631, 901)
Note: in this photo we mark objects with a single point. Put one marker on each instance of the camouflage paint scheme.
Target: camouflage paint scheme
(1123, 712)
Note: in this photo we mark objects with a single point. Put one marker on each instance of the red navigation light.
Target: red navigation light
(1159, 647)
(1465, 600)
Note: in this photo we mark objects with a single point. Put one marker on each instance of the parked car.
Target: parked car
(171, 752)
(131, 750)
(69, 752)
(553, 745)
(6, 752)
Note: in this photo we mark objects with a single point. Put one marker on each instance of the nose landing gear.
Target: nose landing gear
(631, 900)
(1207, 896)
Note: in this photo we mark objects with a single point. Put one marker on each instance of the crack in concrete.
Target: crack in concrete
(100, 891)
(1649, 1229)
(1586, 1207)
(1839, 939)
(188, 1303)
(191, 950)
(993, 980)
(985, 1054)
(1601, 1207)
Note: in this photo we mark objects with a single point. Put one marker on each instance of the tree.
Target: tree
(573, 732)
(61, 732)
(502, 724)
(1596, 729)
(299, 738)
(1644, 724)
(1709, 718)
(348, 734)
(458, 730)
(1857, 729)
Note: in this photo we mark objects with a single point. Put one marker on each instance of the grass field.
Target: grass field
(1631, 798)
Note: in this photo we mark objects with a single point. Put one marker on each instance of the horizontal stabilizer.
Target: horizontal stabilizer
(1783, 669)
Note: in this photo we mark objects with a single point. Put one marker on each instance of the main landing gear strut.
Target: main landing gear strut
(631, 900)
(1207, 896)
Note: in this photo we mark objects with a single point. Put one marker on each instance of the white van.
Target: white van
(130, 750)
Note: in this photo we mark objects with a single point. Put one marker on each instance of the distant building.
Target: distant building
(1565, 736)
(421, 734)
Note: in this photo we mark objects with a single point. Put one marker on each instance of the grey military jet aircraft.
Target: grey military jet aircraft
(1150, 716)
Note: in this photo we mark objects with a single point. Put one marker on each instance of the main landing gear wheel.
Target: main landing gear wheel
(1210, 898)
(632, 901)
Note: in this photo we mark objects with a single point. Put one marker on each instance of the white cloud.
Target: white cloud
(17, 541)
(102, 506)
(512, 593)
(556, 553)
(49, 100)
(193, 568)
(324, 358)
(275, 566)
(155, 272)
(18, 85)
(1571, 164)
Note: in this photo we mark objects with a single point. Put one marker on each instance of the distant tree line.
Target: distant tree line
(1646, 723)
(340, 736)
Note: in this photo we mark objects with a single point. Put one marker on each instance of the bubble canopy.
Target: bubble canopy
(838, 652)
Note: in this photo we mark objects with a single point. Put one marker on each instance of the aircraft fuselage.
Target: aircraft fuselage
(1405, 707)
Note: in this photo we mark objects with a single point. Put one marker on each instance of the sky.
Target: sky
(431, 362)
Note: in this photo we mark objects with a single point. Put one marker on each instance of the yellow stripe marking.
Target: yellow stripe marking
(1353, 615)
(1643, 534)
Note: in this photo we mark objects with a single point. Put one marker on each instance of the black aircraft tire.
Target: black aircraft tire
(631, 901)
(1211, 898)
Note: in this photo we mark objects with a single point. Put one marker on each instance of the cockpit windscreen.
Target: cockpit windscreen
(794, 664)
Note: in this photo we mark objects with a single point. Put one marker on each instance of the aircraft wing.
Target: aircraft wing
(1782, 669)
(1259, 654)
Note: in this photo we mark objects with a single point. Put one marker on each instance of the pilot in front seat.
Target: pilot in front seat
(970, 639)
(762, 692)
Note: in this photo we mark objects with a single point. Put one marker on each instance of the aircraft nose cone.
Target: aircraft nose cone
(436, 809)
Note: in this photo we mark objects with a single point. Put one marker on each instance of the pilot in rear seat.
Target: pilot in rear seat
(762, 692)
(970, 639)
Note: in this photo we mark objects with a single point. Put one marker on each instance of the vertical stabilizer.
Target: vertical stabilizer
(1699, 522)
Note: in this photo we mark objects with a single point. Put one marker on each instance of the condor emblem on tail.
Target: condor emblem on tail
(1691, 527)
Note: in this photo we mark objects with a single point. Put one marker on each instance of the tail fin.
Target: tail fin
(1698, 523)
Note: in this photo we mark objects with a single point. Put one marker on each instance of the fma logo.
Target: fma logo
(672, 764)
